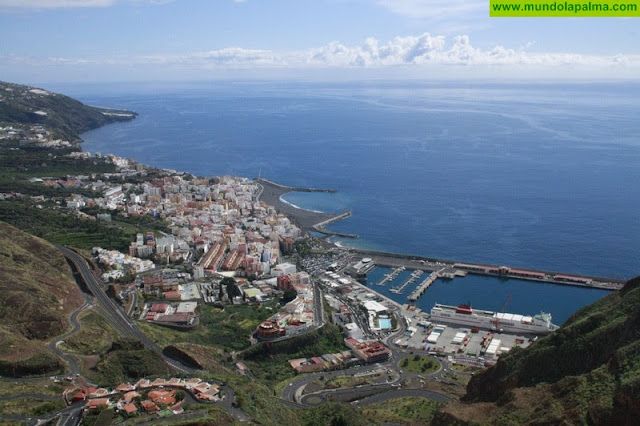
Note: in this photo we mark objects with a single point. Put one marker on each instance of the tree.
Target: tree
(231, 287)
(289, 295)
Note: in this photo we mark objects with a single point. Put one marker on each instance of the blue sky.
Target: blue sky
(130, 40)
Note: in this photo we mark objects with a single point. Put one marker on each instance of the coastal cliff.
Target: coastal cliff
(65, 117)
(588, 372)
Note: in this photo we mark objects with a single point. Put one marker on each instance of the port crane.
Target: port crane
(496, 321)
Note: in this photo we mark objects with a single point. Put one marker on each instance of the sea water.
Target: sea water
(525, 175)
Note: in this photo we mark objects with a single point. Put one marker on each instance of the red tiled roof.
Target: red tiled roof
(130, 408)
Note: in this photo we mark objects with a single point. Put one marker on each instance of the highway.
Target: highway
(112, 312)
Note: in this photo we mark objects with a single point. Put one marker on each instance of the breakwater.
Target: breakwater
(320, 227)
(271, 193)
(448, 267)
(415, 295)
(293, 188)
(315, 221)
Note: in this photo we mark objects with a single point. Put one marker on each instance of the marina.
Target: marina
(424, 285)
(453, 268)
(489, 293)
(391, 276)
(413, 278)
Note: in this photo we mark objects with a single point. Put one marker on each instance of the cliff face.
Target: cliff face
(586, 372)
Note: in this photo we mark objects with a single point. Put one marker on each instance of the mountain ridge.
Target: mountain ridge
(66, 117)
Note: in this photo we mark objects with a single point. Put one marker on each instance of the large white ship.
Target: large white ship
(497, 321)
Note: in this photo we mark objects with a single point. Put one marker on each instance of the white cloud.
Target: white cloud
(416, 54)
(436, 9)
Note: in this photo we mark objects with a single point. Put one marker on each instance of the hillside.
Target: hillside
(37, 294)
(65, 117)
(588, 372)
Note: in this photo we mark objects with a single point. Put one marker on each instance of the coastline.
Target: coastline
(313, 221)
(281, 198)
(308, 220)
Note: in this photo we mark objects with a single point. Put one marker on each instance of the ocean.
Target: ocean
(536, 175)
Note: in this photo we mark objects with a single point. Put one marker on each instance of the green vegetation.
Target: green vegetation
(66, 117)
(59, 227)
(303, 248)
(37, 293)
(213, 360)
(420, 365)
(209, 414)
(587, 372)
(128, 359)
(45, 218)
(24, 162)
(259, 402)
(30, 406)
(99, 418)
(62, 228)
(227, 328)
(464, 368)
(334, 414)
(411, 410)
(40, 387)
(269, 362)
(289, 295)
(353, 381)
(95, 336)
(230, 286)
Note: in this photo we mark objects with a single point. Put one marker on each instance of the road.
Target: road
(71, 360)
(362, 394)
(112, 312)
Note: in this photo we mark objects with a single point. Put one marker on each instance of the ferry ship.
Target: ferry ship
(497, 321)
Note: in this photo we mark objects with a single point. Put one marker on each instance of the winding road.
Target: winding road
(71, 360)
(123, 324)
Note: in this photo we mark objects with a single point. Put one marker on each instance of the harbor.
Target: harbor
(424, 285)
(439, 269)
(413, 278)
(489, 293)
(455, 268)
(391, 276)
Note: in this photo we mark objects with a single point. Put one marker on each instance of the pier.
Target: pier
(454, 268)
(293, 188)
(391, 276)
(414, 276)
(424, 285)
(320, 227)
(271, 193)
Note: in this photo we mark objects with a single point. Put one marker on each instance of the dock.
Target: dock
(320, 227)
(456, 268)
(293, 188)
(424, 285)
(413, 278)
(391, 276)
(271, 193)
